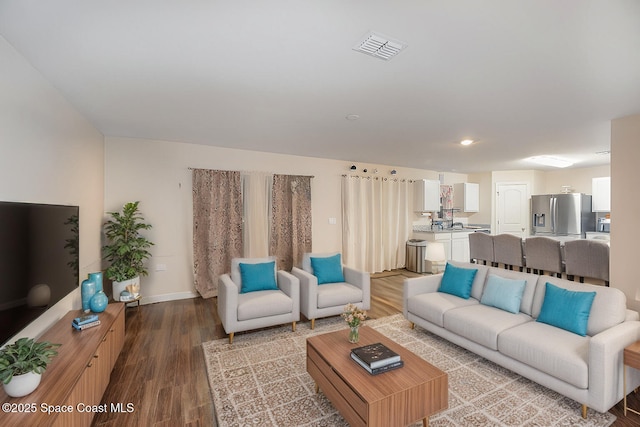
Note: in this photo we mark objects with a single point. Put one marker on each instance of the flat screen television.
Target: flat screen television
(39, 261)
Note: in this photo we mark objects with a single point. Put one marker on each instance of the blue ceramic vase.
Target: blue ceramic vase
(99, 302)
(97, 278)
(87, 290)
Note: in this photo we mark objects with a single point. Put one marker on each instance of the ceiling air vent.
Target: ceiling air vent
(383, 47)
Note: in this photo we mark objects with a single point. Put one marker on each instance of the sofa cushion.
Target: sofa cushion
(457, 281)
(482, 324)
(432, 306)
(478, 281)
(552, 350)
(253, 305)
(608, 309)
(327, 269)
(529, 290)
(258, 277)
(505, 294)
(334, 294)
(566, 309)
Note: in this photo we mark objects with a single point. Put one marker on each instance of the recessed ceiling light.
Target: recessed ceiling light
(604, 152)
(466, 142)
(352, 117)
(550, 161)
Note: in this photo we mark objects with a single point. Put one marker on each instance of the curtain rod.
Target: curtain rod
(273, 173)
(384, 178)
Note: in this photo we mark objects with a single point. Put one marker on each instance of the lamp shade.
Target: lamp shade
(435, 252)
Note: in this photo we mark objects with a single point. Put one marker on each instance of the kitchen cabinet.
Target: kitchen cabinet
(426, 195)
(601, 194)
(460, 246)
(466, 196)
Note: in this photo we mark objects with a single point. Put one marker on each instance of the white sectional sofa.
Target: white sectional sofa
(587, 369)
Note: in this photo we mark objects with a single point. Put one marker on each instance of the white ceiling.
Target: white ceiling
(522, 77)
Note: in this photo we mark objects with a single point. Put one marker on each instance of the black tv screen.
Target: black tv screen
(39, 261)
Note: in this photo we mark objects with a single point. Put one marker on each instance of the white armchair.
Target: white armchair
(329, 298)
(255, 295)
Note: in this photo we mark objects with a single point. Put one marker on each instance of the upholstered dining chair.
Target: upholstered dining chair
(587, 258)
(543, 254)
(326, 286)
(255, 295)
(507, 250)
(481, 248)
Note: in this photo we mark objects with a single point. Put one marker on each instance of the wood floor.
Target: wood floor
(161, 369)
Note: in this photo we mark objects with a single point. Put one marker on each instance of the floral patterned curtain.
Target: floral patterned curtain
(291, 221)
(217, 226)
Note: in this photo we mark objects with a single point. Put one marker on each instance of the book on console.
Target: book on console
(87, 318)
(378, 370)
(376, 355)
(86, 325)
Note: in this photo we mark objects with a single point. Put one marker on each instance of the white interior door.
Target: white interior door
(512, 204)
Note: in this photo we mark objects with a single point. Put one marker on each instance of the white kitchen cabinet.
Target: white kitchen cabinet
(426, 195)
(601, 194)
(466, 196)
(460, 246)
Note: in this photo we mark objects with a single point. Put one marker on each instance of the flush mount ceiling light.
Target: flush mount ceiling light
(466, 142)
(603, 153)
(352, 117)
(555, 162)
(379, 46)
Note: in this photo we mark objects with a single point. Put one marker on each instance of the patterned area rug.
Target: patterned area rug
(261, 380)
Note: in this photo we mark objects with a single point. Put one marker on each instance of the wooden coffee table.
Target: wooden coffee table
(395, 398)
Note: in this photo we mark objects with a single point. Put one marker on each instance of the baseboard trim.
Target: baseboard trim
(168, 297)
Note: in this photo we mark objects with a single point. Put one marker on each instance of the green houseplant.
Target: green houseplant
(126, 249)
(22, 364)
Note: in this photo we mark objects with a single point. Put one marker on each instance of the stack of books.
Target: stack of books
(376, 358)
(85, 322)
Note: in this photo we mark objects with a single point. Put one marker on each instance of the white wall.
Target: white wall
(578, 178)
(49, 153)
(625, 205)
(157, 174)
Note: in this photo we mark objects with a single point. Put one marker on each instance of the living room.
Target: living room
(52, 153)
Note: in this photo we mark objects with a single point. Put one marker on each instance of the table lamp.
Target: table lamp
(435, 257)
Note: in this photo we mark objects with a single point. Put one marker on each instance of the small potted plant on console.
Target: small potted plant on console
(22, 364)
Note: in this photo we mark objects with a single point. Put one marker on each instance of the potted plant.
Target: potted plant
(22, 364)
(126, 249)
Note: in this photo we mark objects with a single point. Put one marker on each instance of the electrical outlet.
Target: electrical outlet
(161, 267)
(333, 221)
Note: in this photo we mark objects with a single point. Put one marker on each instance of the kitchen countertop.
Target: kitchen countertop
(467, 229)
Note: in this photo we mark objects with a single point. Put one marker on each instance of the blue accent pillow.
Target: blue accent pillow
(566, 309)
(457, 281)
(503, 293)
(327, 269)
(258, 277)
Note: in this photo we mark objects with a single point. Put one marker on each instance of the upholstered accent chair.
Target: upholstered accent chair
(507, 250)
(481, 248)
(255, 296)
(326, 286)
(587, 258)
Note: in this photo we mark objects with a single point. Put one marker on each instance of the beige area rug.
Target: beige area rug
(261, 380)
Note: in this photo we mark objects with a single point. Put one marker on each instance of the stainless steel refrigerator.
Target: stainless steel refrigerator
(562, 215)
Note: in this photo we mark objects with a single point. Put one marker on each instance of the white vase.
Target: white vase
(118, 287)
(21, 385)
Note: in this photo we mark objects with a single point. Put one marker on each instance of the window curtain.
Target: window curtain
(291, 220)
(257, 189)
(217, 226)
(376, 215)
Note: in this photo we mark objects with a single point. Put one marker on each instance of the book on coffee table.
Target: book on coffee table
(376, 355)
(380, 369)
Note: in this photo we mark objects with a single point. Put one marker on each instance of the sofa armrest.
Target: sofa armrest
(605, 364)
(412, 286)
(360, 279)
(227, 303)
(290, 285)
(631, 315)
(308, 292)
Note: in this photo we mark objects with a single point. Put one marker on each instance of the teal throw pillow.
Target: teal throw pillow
(327, 269)
(566, 309)
(457, 281)
(258, 277)
(502, 293)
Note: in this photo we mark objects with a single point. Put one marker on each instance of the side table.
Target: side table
(135, 300)
(631, 358)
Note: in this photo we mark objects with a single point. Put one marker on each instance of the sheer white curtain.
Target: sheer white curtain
(256, 195)
(376, 217)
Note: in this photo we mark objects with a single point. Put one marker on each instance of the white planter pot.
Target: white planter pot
(21, 385)
(118, 287)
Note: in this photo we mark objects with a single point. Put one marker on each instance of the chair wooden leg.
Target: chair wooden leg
(313, 323)
(413, 325)
(293, 326)
(584, 411)
(231, 338)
